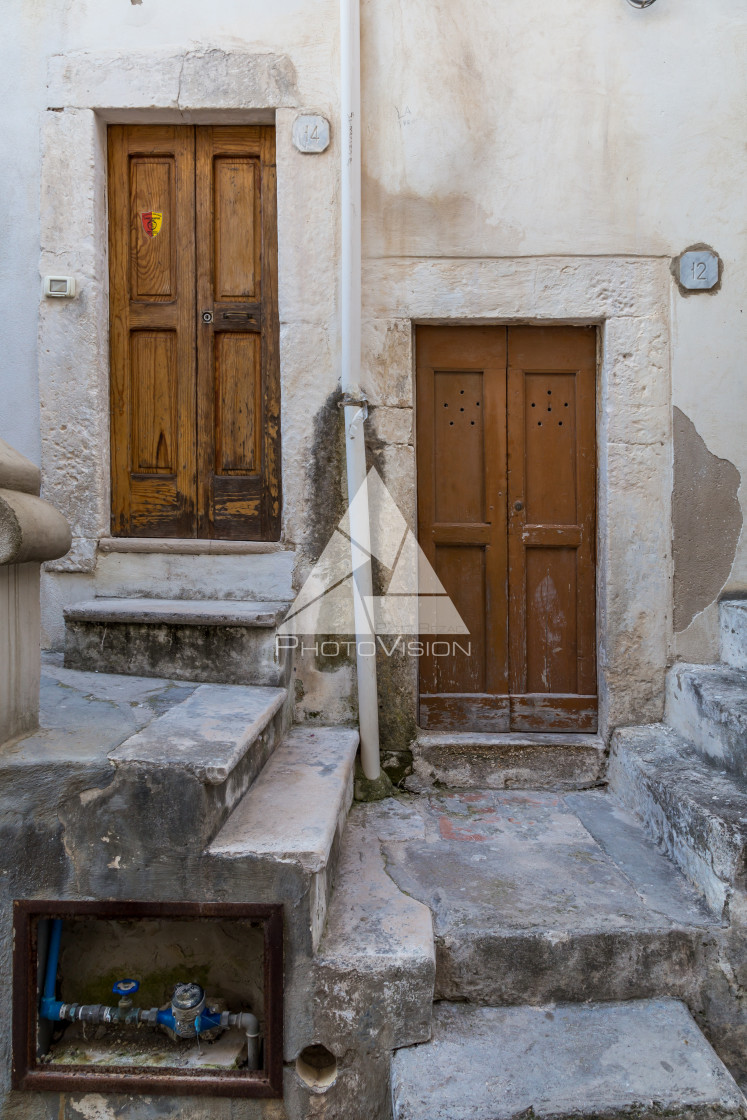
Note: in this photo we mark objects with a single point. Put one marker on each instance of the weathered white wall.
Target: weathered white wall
(491, 130)
(502, 130)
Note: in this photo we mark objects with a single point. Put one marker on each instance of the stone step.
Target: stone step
(696, 812)
(733, 620)
(214, 640)
(376, 963)
(538, 896)
(177, 779)
(137, 567)
(638, 1060)
(283, 838)
(466, 760)
(707, 704)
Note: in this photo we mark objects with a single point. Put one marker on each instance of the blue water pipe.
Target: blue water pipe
(124, 1013)
(50, 977)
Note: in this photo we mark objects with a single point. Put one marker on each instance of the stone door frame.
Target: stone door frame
(87, 92)
(628, 299)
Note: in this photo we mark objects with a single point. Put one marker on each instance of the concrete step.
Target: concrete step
(696, 812)
(707, 704)
(148, 567)
(215, 640)
(733, 619)
(538, 896)
(283, 838)
(466, 760)
(176, 780)
(615, 1061)
(376, 963)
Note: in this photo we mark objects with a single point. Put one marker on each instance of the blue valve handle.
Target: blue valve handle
(126, 987)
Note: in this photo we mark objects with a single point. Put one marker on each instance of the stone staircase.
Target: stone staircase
(165, 790)
(583, 939)
(687, 778)
(144, 619)
(509, 938)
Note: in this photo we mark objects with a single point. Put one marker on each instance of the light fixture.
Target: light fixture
(641, 3)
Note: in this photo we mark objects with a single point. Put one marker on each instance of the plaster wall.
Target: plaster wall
(491, 133)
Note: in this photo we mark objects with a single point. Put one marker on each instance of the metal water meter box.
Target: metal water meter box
(178, 998)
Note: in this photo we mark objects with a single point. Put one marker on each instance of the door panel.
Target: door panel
(152, 331)
(551, 508)
(153, 365)
(506, 516)
(194, 349)
(461, 393)
(238, 416)
(238, 403)
(152, 259)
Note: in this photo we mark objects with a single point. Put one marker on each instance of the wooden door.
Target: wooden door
(195, 418)
(506, 516)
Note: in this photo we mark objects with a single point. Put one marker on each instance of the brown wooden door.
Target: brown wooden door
(506, 516)
(195, 419)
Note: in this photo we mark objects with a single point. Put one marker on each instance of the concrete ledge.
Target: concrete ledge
(465, 760)
(636, 1061)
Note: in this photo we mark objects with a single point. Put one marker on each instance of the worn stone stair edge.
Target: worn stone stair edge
(178, 612)
(476, 739)
(633, 1059)
(707, 704)
(375, 965)
(215, 727)
(506, 760)
(696, 811)
(292, 812)
(719, 799)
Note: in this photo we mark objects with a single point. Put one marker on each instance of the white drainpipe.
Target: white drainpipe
(353, 397)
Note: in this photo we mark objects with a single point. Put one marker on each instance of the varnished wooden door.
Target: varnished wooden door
(506, 516)
(195, 418)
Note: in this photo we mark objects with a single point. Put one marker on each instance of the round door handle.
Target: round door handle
(518, 506)
(207, 316)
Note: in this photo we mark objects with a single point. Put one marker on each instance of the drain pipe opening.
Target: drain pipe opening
(317, 1066)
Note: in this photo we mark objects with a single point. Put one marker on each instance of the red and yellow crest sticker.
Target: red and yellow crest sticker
(152, 221)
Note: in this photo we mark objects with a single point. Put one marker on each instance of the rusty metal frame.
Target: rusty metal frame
(29, 1074)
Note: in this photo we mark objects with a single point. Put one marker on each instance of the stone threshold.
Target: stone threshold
(190, 546)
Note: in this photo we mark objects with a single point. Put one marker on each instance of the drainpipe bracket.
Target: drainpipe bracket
(354, 397)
